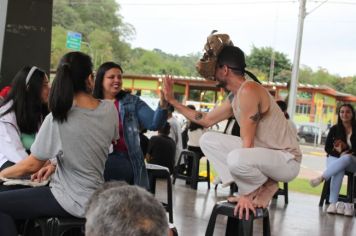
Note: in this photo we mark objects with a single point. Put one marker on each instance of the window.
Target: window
(325, 110)
(303, 108)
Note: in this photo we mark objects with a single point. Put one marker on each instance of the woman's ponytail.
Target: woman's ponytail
(62, 93)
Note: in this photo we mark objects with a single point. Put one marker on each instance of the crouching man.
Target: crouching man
(267, 151)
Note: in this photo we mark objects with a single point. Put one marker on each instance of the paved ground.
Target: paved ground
(301, 217)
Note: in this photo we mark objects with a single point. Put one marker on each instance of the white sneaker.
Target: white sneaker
(316, 181)
(340, 208)
(331, 208)
(349, 209)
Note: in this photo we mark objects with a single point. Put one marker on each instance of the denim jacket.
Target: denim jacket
(135, 113)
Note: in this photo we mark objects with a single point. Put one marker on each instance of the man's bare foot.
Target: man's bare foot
(233, 199)
(268, 189)
(251, 196)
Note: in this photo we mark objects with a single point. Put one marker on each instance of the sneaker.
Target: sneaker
(349, 209)
(331, 208)
(340, 208)
(316, 181)
(172, 230)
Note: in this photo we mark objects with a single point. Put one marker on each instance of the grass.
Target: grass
(302, 186)
(297, 185)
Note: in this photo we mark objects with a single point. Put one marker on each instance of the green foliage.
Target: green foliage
(321, 76)
(105, 37)
(100, 46)
(260, 59)
(59, 35)
(259, 74)
(103, 30)
(157, 62)
(347, 85)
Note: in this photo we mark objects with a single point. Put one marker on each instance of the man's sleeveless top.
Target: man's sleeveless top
(273, 130)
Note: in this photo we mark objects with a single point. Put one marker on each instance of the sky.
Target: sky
(180, 27)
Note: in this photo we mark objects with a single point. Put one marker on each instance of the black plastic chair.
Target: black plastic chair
(349, 197)
(62, 225)
(160, 172)
(56, 226)
(235, 226)
(284, 192)
(181, 169)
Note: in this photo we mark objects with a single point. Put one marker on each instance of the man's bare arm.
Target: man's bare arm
(220, 113)
(205, 119)
(256, 117)
(251, 113)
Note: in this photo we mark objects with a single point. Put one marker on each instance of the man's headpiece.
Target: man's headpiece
(215, 43)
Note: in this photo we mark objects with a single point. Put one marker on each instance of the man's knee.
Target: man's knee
(237, 164)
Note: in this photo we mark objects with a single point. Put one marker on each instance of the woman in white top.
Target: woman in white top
(78, 133)
(22, 113)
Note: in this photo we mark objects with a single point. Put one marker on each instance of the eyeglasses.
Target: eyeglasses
(235, 69)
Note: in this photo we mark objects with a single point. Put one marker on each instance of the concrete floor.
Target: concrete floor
(302, 216)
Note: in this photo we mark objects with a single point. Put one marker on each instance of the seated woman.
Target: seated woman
(341, 149)
(78, 132)
(21, 114)
(127, 160)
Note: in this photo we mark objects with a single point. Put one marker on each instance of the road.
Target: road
(313, 162)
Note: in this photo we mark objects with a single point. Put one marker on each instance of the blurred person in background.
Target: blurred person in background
(21, 114)
(340, 147)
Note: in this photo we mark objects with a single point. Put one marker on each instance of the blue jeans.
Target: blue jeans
(335, 170)
(118, 167)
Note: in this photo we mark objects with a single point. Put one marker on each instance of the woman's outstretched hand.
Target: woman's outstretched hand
(162, 100)
(168, 88)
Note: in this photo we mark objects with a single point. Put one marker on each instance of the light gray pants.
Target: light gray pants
(249, 168)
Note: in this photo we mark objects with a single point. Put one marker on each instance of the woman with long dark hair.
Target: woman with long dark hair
(126, 162)
(78, 133)
(22, 113)
(341, 149)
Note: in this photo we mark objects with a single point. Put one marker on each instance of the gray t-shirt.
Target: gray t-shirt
(81, 146)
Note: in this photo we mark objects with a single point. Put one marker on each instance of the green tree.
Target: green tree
(260, 59)
(99, 45)
(58, 44)
(319, 77)
(87, 17)
(157, 62)
(261, 76)
(346, 85)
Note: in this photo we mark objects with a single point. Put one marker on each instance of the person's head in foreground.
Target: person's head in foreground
(118, 209)
(283, 106)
